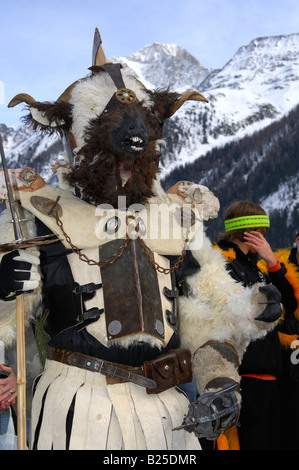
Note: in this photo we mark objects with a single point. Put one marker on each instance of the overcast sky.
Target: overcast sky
(46, 45)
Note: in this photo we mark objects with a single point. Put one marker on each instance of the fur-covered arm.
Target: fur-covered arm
(220, 310)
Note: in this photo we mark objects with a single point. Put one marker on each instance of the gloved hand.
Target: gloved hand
(18, 273)
(213, 413)
(273, 309)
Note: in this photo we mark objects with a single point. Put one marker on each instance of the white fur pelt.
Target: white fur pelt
(33, 302)
(218, 309)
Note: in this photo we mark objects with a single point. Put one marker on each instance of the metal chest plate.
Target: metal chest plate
(132, 299)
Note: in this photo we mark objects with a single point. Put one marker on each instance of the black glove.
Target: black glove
(273, 310)
(18, 273)
(213, 413)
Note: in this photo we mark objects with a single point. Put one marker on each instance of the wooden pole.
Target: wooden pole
(21, 372)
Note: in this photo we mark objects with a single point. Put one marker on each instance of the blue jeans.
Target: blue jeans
(190, 390)
(4, 418)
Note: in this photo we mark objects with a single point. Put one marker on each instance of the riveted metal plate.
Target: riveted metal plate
(46, 206)
(131, 291)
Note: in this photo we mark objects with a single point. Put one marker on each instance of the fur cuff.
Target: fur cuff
(208, 364)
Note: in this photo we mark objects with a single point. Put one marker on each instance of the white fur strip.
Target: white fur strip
(61, 394)
(120, 396)
(98, 420)
(155, 436)
(51, 372)
(114, 438)
(80, 422)
(93, 417)
(175, 403)
(59, 398)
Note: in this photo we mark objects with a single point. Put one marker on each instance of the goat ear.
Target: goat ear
(191, 95)
(47, 116)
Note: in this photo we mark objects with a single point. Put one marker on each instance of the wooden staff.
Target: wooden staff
(21, 372)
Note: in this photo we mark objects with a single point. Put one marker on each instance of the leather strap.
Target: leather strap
(220, 382)
(110, 369)
(226, 350)
(114, 70)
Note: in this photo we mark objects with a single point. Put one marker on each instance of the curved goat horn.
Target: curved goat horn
(21, 98)
(191, 95)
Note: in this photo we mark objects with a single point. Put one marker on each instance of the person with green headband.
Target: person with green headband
(245, 225)
(251, 260)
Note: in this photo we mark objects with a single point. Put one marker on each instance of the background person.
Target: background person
(252, 260)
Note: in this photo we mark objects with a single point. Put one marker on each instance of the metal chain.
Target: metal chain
(121, 249)
(83, 257)
(159, 268)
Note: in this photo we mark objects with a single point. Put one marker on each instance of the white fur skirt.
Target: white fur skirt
(105, 417)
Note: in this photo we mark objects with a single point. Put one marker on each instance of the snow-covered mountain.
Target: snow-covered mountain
(258, 86)
(25, 147)
(162, 65)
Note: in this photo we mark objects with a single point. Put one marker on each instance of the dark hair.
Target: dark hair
(241, 209)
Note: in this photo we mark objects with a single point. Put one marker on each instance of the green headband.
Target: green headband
(248, 221)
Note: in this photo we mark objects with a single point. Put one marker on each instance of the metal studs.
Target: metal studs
(45, 206)
(141, 226)
(159, 327)
(114, 327)
(112, 225)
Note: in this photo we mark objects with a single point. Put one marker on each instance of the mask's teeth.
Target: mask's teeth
(136, 143)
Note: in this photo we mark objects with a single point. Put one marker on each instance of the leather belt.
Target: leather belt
(109, 369)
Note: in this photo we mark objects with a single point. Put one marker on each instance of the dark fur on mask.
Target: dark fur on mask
(122, 141)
